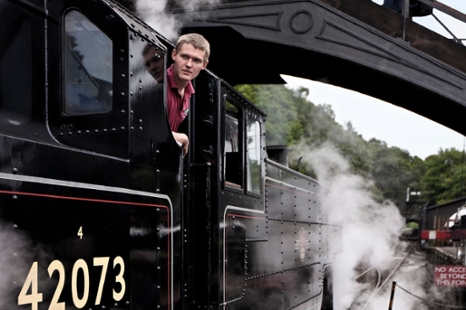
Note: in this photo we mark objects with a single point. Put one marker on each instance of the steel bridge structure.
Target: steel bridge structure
(355, 44)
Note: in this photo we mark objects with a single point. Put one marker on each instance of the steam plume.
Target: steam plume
(369, 230)
(153, 12)
(15, 260)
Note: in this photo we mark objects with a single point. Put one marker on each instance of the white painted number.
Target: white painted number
(119, 278)
(80, 232)
(29, 292)
(57, 265)
(80, 302)
(101, 261)
(31, 281)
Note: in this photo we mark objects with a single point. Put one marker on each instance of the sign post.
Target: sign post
(464, 253)
(390, 305)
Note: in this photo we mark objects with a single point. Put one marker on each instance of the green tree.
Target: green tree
(277, 101)
(443, 179)
(392, 173)
(292, 119)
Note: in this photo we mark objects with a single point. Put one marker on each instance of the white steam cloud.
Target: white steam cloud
(153, 12)
(369, 236)
(16, 255)
(194, 4)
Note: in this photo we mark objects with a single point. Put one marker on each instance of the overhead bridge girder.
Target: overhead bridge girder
(254, 42)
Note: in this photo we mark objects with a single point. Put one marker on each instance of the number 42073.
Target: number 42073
(29, 292)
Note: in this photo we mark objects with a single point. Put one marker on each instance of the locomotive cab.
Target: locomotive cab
(90, 175)
(225, 166)
(106, 211)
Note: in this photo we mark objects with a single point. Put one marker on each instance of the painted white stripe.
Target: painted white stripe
(433, 234)
(41, 180)
(290, 186)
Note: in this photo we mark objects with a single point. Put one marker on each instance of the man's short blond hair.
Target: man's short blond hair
(197, 40)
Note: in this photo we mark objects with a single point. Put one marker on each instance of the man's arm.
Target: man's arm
(183, 140)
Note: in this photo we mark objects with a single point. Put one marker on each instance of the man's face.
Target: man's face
(188, 62)
(153, 60)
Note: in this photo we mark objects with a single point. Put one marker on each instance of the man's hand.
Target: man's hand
(183, 140)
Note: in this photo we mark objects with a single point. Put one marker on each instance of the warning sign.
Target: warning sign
(450, 275)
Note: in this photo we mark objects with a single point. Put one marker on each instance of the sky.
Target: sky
(373, 118)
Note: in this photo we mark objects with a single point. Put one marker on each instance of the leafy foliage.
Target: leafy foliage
(292, 119)
(443, 177)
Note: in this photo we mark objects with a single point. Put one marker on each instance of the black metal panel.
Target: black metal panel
(312, 40)
(273, 254)
(201, 232)
(94, 239)
(22, 70)
(105, 133)
(124, 204)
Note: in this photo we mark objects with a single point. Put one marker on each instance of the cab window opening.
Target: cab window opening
(253, 155)
(232, 152)
(88, 59)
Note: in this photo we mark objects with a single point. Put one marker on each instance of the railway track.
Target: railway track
(375, 278)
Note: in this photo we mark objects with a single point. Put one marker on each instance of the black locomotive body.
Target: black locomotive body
(99, 210)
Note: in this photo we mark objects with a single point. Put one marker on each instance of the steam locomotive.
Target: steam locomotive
(99, 209)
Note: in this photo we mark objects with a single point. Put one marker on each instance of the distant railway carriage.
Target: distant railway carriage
(103, 209)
